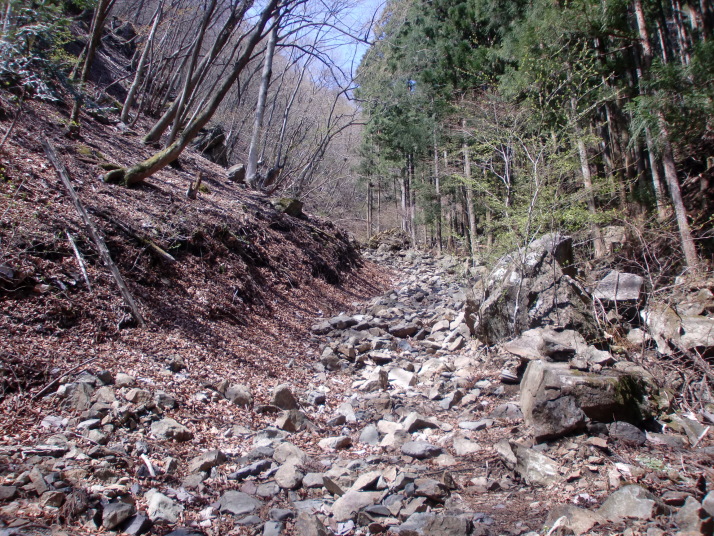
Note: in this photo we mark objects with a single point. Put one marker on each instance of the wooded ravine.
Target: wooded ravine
(332, 268)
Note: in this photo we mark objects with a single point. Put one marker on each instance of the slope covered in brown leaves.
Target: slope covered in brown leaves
(247, 282)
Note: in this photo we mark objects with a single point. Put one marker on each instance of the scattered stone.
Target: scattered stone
(415, 422)
(534, 467)
(124, 380)
(170, 429)
(239, 395)
(310, 525)
(238, 503)
(53, 499)
(161, 508)
(335, 443)
(618, 286)
(628, 434)
(114, 514)
(292, 420)
(283, 398)
(7, 493)
(420, 450)
(347, 506)
(433, 524)
(633, 502)
(579, 520)
(289, 476)
(206, 461)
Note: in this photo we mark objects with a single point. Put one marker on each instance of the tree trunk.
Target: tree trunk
(187, 89)
(670, 173)
(151, 165)
(437, 191)
(236, 16)
(252, 165)
(138, 77)
(470, 210)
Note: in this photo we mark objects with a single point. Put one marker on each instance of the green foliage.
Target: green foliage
(30, 45)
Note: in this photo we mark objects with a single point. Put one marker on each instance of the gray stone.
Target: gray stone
(316, 398)
(693, 518)
(415, 422)
(206, 461)
(402, 378)
(403, 329)
(626, 433)
(335, 443)
(286, 451)
(139, 524)
(420, 450)
(254, 469)
(547, 343)
(508, 411)
(268, 490)
(281, 514)
(283, 398)
(312, 480)
(170, 429)
(236, 173)
(663, 324)
(114, 514)
(366, 481)
(161, 508)
(476, 426)
(369, 435)
(465, 447)
(431, 489)
(579, 520)
(632, 502)
(164, 400)
(557, 400)
(708, 503)
(292, 420)
(618, 286)
(698, 333)
(239, 395)
(451, 400)
(272, 528)
(542, 269)
(310, 525)
(124, 380)
(238, 503)
(138, 396)
(289, 476)
(76, 395)
(54, 499)
(347, 506)
(535, 468)
(433, 524)
(7, 493)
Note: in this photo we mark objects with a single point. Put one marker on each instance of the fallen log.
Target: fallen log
(99, 243)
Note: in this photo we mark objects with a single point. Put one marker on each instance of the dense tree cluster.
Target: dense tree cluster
(261, 74)
(505, 118)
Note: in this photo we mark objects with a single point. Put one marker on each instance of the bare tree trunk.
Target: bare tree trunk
(670, 173)
(151, 165)
(138, 77)
(252, 165)
(437, 190)
(187, 86)
(236, 16)
(470, 210)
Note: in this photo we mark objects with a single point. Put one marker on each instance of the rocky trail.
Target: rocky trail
(405, 423)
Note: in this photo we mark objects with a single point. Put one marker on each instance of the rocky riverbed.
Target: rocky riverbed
(439, 408)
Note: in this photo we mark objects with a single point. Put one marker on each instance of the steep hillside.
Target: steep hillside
(246, 278)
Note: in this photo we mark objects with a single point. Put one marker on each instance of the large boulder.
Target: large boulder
(211, 143)
(557, 400)
(530, 288)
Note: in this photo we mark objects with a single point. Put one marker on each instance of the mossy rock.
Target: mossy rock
(290, 206)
